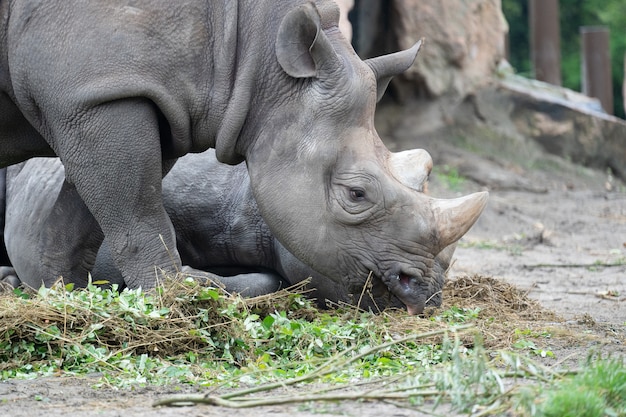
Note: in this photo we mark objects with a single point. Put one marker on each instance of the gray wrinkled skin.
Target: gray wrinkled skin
(119, 90)
(232, 240)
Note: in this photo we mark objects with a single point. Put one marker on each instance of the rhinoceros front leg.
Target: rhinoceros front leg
(112, 154)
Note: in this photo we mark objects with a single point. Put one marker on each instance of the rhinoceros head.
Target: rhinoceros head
(325, 183)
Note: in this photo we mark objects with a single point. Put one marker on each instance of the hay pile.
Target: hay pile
(504, 308)
(186, 317)
(495, 298)
(182, 317)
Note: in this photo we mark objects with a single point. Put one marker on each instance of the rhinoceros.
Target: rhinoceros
(233, 241)
(119, 90)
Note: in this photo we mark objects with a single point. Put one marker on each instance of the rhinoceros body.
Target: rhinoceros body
(218, 229)
(119, 89)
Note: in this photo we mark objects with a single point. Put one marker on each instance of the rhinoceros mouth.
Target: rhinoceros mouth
(405, 286)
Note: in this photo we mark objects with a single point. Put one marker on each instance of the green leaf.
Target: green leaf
(268, 322)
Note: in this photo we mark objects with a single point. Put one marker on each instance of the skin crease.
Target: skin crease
(161, 82)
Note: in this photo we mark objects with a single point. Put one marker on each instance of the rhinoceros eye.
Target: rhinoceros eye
(357, 194)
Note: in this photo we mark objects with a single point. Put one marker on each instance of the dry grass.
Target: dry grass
(504, 309)
(193, 321)
(495, 298)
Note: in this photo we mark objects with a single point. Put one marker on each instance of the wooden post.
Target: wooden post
(545, 41)
(596, 65)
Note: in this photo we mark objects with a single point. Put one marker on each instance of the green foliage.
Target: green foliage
(449, 176)
(598, 390)
(522, 340)
(573, 15)
(457, 315)
(467, 379)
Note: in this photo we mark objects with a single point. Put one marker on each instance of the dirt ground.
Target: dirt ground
(553, 228)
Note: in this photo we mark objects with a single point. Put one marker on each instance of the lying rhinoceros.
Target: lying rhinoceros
(233, 241)
(119, 90)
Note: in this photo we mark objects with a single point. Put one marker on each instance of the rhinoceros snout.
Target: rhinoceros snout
(409, 289)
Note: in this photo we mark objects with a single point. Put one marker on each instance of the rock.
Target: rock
(564, 123)
(512, 115)
(464, 43)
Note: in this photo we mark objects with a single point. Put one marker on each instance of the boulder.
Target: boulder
(464, 42)
(562, 121)
(510, 115)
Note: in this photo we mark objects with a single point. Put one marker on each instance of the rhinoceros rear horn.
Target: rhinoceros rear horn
(411, 167)
(453, 218)
(302, 48)
(387, 66)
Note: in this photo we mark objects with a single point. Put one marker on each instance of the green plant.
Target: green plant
(599, 389)
(187, 333)
(455, 315)
(522, 341)
(450, 177)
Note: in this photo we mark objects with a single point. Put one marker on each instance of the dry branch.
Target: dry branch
(237, 399)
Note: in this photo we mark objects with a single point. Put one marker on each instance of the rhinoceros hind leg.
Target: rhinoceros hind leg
(69, 240)
(8, 278)
(245, 282)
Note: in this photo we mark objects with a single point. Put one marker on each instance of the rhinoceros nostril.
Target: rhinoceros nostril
(405, 279)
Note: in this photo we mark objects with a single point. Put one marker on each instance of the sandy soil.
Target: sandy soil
(557, 230)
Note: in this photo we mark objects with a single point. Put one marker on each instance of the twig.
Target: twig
(227, 400)
(366, 287)
(591, 265)
(243, 403)
(319, 372)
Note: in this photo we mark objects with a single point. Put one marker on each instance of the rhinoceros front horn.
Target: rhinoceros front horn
(385, 67)
(453, 218)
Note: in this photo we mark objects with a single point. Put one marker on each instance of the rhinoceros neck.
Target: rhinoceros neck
(231, 82)
(246, 81)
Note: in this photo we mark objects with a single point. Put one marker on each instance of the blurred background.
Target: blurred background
(502, 78)
(573, 14)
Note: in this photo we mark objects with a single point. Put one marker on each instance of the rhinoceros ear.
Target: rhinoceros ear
(302, 48)
(387, 66)
(453, 218)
